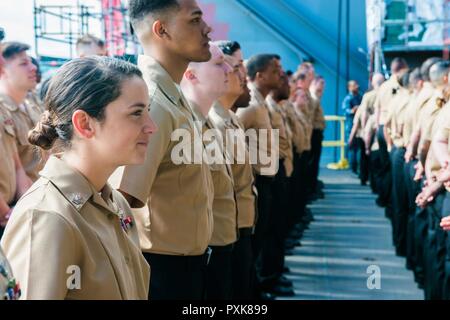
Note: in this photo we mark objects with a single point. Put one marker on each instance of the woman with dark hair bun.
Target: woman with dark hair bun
(71, 236)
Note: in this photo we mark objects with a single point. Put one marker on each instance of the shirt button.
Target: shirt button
(127, 260)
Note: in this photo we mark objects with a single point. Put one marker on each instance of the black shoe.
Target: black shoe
(381, 203)
(320, 184)
(282, 291)
(288, 252)
(295, 234)
(266, 296)
(400, 252)
(285, 282)
(291, 244)
(313, 197)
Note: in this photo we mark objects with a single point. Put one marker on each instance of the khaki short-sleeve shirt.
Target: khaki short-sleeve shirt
(178, 190)
(279, 121)
(65, 240)
(25, 117)
(224, 205)
(227, 122)
(8, 183)
(257, 117)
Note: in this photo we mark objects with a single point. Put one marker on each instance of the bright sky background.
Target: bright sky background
(16, 17)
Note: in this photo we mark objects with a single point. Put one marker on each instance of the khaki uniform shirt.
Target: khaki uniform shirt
(279, 121)
(256, 116)
(408, 119)
(294, 124)
(318, 118)
(367, 107)
(227, 122)
(25, 119)
(307, 128)
(8, 183)
(424, 96)
(224, 206)
(442, 132)
(65, 241)
(386, 92)
(310, 109)
(179, 195)
(428, 116)
(371, 126)
(396, 116)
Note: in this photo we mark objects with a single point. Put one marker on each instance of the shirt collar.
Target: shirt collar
(221, 111)
(272, 103)
(199, 116)
(255, 94)
(8, 102)
(154, 72)
(73, 185)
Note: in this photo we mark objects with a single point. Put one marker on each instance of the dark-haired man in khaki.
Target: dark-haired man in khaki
(176, 228)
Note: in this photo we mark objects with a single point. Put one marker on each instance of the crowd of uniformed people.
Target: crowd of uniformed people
(101, 196)
(98, 200)
(400, 132)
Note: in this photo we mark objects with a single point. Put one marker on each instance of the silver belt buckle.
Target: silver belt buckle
(208, 253)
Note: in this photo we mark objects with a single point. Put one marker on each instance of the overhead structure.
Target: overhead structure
(415, 29)
(64, 24)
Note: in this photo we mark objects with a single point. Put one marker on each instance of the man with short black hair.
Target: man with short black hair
(176, 228)
(264, 76)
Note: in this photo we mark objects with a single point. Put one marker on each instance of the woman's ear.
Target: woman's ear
(82, 124)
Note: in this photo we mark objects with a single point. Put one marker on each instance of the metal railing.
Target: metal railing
(340, 143)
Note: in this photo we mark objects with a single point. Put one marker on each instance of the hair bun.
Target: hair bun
(44, 134)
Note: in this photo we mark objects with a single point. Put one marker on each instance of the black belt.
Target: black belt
(222, 249)
(188, 261)
(245, 232)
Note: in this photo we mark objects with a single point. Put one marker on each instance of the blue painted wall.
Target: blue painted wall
(297, 30)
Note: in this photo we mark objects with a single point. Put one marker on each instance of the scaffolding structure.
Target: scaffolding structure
(64, 24)
(397, 29)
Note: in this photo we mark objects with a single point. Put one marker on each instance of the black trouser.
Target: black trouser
(177, 277)
(297, 189)
(363, 160)
(219, 275)
(316, 152)
(242, 265)
(446, 282)
(420, 236)
(272, 255)
(435, 251)
(264, 186)
(413, 189)
(375, 171)
(399, 200)
(385, 170)
(309, 177)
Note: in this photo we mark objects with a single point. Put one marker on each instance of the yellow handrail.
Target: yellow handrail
(343, 162)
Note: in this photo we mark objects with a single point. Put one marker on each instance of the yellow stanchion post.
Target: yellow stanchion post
(343, 162)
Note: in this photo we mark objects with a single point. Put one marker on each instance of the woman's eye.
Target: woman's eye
(137, 113)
